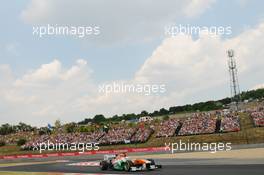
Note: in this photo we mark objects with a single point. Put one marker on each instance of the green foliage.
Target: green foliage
(2, 143)
(132, 125)
(201, 106)
(6, 129)
(21, 142)
(57, 124)
(85, 121)
(23, 127)
(253, 94)
(70, 127)
(166, 117)
(84, 128)
(99, 118)
(44, 130)
(144, 113)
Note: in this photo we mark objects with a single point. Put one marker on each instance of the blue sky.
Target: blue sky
(108, 62)
(119, 57)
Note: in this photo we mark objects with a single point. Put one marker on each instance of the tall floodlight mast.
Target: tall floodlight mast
(234, 86)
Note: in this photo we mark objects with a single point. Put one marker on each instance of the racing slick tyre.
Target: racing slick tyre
(104, 165)
(127, 165)
(148, 166)
(159, 166)
(152, 162)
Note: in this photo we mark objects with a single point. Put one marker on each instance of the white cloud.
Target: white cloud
(259, 86)
(198, 67)
(197, 7)
(44, 94)
(191, 69)
(45, 73)
(119, 20)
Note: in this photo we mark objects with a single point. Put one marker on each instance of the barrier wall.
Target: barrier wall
(129, 150)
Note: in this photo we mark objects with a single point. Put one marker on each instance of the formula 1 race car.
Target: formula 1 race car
(122, 163)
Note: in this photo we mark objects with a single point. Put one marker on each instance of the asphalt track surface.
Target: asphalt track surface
(170, 167)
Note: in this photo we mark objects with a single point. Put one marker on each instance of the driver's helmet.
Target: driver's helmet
(121, 155)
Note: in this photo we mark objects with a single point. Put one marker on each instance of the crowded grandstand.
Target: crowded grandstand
(257, 115)
(123, 133)
(133, 129)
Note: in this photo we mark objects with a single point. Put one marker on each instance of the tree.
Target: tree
(6, 129)
(2, 143)
(57, 124)
(44, 130)
(163, 111)
(115, 118)
(129, 116)
(144, 113)
(21, 142)
(99, 118)
(85, 121)
(24, 127)
(70, 127)
(85, 129)
(155, 113)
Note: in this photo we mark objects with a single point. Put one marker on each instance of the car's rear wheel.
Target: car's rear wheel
(152, 162)
(104, 165)
(159, 166)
